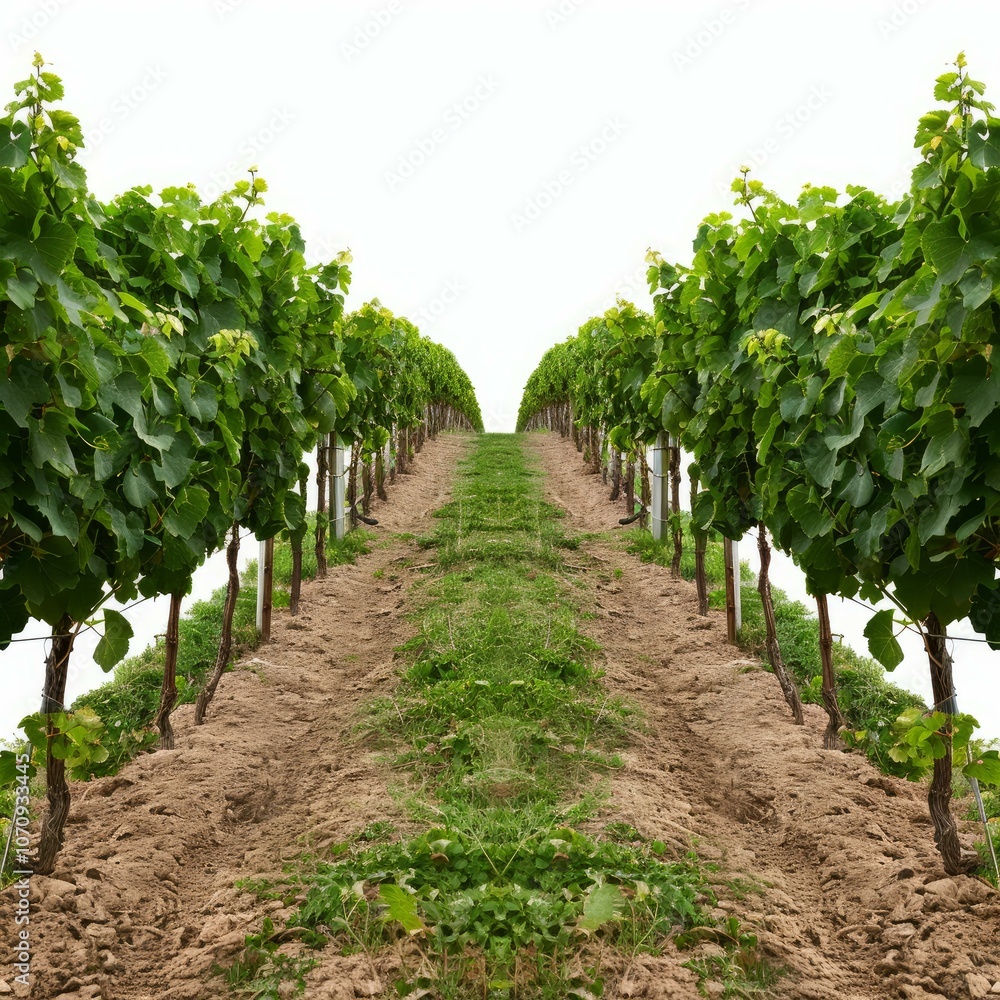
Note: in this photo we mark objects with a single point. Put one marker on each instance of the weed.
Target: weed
(732, 960)
(741, 888)
(263, 968)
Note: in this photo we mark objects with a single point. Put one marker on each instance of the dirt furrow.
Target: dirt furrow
(839, 874)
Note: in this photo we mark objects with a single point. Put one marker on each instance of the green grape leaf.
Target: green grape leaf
(13, 615)
(20, 390)
(10, 770)
(604, 904)
(985, 768)
(808, 512)
(54, 247)
(985, 615)
(984, 144)
(15, 149)
(114, 643)
(859, 488)
(882, 642)
(139, 485)
(187, 512)
(50, 445)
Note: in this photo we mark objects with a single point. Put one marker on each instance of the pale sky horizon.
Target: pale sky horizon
(498, 170)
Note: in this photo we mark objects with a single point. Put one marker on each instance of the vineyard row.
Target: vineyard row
(828, 364)
(168, 362)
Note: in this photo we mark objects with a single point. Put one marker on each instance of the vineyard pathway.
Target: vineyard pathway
(143, 903)
(854, 899)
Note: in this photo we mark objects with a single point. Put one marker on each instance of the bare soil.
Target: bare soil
(840, 877)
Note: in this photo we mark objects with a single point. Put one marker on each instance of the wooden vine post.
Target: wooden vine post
(56, 790)
(700, 545)
(226, 641)
(644, 495)
(265, 589)
(321, 517)
(352, 483)
(168, 690)
(368, 485)
(831, 737)
(675, 506)
(774, 656)
(594, 450)
(380, 475)
(733, 616)
(296, 587)
(616, 474)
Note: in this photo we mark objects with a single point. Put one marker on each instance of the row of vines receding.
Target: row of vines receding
(167, 364)
(828, 365)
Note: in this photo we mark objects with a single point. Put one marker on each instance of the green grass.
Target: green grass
(640, 542)
(991, 805)
(501, 702)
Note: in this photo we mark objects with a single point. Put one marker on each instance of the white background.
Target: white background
(423, 134)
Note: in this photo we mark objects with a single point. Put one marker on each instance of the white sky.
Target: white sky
(637, 115)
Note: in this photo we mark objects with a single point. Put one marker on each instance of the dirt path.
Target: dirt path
(852, 898)
(143, 901)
